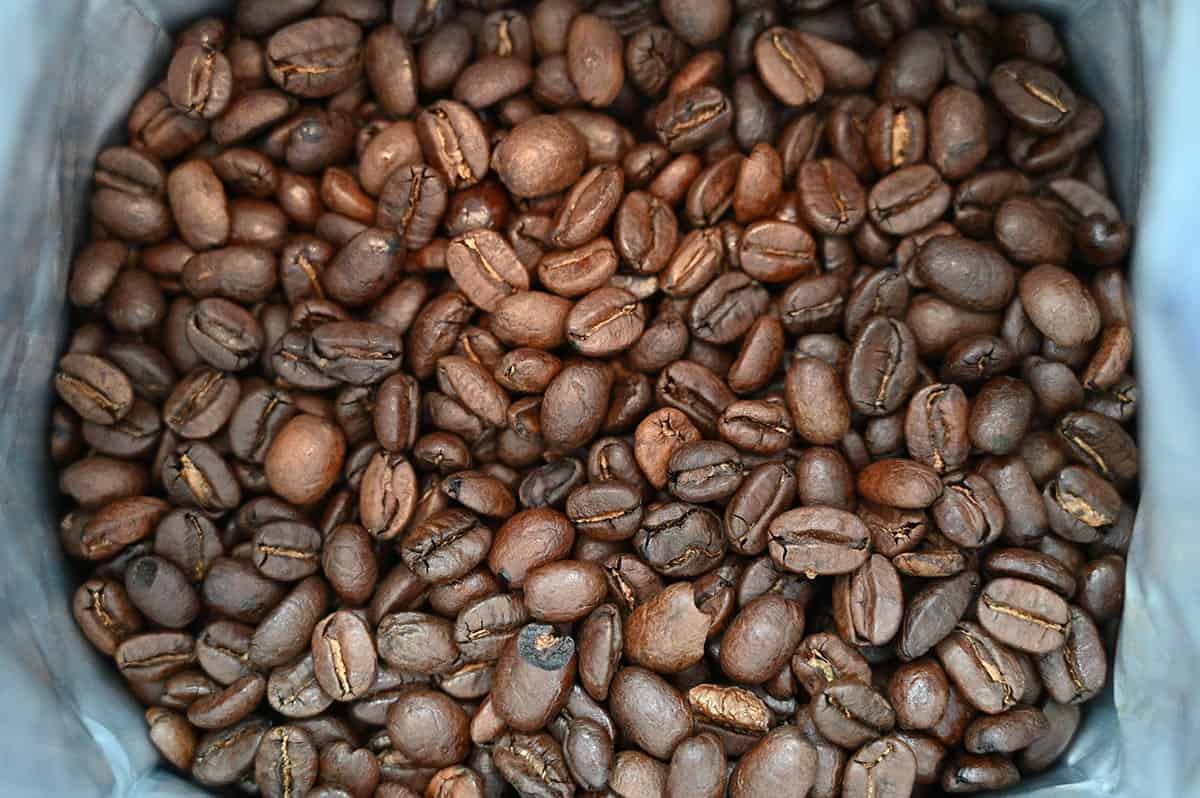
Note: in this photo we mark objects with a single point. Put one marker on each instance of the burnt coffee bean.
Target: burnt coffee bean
(533, 675)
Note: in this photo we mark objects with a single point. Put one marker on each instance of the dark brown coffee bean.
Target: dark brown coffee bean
(316, 57)
(529, 539)
(987, 673)
(1032, 96)
(105, 613)
(966, 273)
(968, 512)
(94, 388)
(454, 141)
(931, 614)
(868, 604)
(882, 367)
(155, 655)
(428, 729)
(679, 539)
(594, 59)
(534, 764)
(788, 67)
(967, 773)
(223, 757)
(850, 713)
(744, 656)
(533, 676)
(540, 156)
(691, 119)
(549, 485)
(1023, 615)
(344, 659)
(908, 199)
(818, 540)
(675, 606)
(885, 767)
(651, 712)
(782, 760)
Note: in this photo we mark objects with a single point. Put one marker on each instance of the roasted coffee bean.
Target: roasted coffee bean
(551, 484)
(428, 729)
(1032, 96)
(94, 388)
(966, 273)
(222, 757)
(344, 659)
(293, 690)
(818, 540)
(882, 367)
(987, 673)
(868, 604)
(908, 199)
(649, 711)
(849, 713)
(680, 539)
(931, 614)
(745, 655)
(533, 675)
(693, 118)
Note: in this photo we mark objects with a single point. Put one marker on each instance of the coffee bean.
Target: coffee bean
(782, 760)
(1033, 96)
(868, 604)
(788, 68)
(223, 756)
(966, 273)
(691, 119)
(344, 659)
(649, 711)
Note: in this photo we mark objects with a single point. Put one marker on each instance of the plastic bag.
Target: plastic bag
(72, 69)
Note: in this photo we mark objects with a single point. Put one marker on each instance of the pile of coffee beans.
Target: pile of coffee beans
(620, 397)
